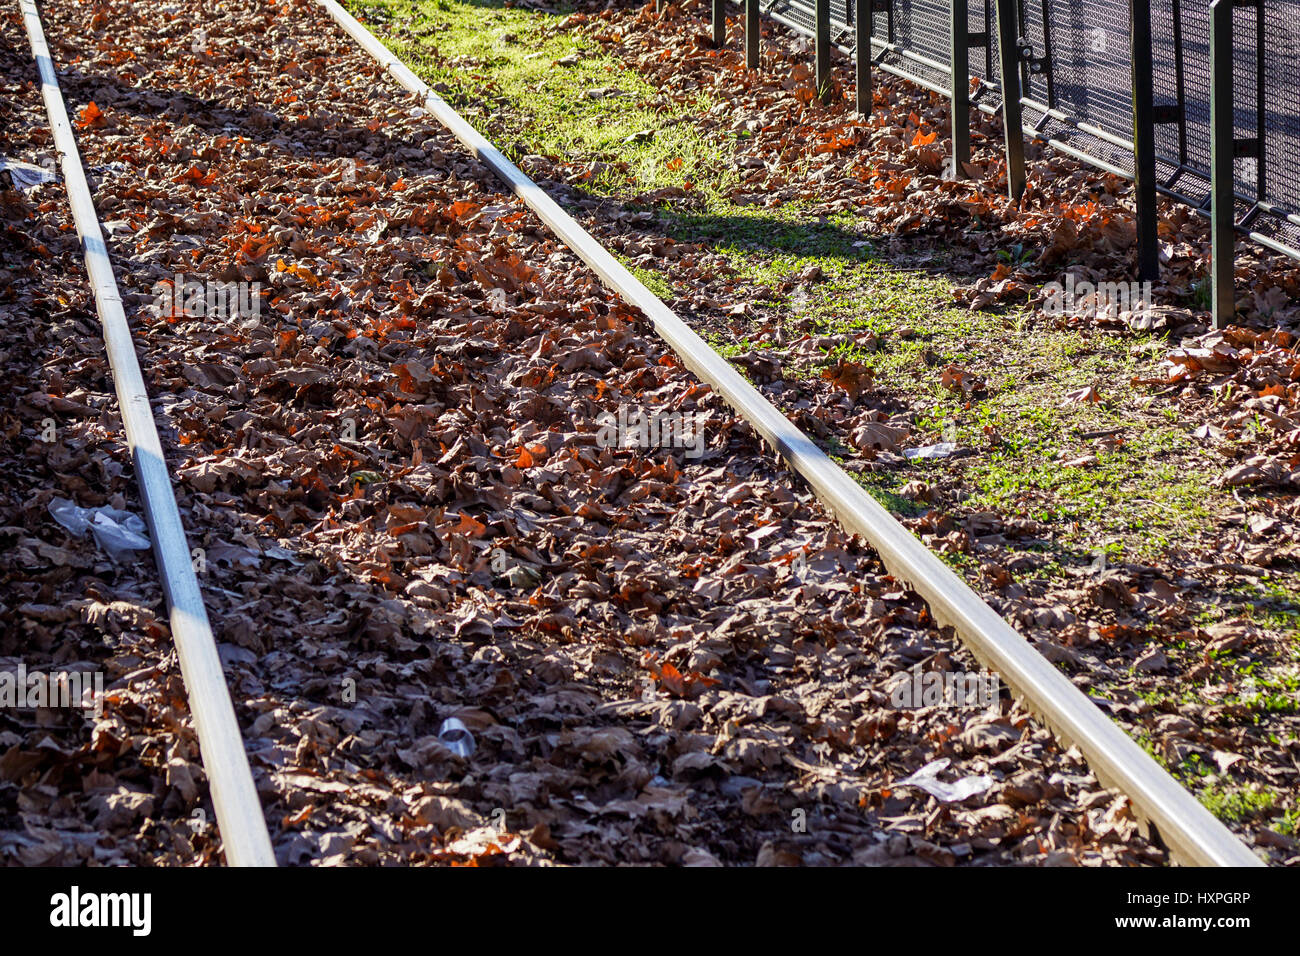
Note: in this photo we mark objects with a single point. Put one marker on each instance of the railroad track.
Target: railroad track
(1190, 832)
(239, 813)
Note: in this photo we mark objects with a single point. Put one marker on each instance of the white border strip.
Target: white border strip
(1190, 831)
(239, 812)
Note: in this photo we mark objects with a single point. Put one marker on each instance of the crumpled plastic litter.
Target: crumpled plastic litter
(115, 530)
(944, 449)
(927, 778)
(25, 175)
(456, 737)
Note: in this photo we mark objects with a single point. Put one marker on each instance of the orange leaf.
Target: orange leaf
(463, 209)
(671, 678)
(292, 820)
(196, 176)
(91, 115)
(674, 681)
(468, 526)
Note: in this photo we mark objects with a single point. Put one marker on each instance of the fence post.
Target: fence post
(719, 23)
(1222, 151)
(822, 12)
(862, 20)
(959, 47)
(751, 34)
(1144, 138)
(1012, 123)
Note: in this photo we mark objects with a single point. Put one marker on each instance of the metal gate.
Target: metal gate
(1198, 102)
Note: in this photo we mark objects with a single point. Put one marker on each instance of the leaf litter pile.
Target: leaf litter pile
(458, 627)
(1178, 648)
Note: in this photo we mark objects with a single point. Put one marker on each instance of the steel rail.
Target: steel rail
(238, 810)
(1190, 831)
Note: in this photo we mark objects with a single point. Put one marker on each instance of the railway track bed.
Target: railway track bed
(459, 623)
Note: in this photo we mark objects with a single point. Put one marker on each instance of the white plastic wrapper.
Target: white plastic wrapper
(945, 449)
(927, 778)
(25, 175)
(117, 532)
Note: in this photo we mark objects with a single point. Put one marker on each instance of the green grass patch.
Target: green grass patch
(563, 97)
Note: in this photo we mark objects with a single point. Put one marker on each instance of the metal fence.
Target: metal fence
(1198, 102)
